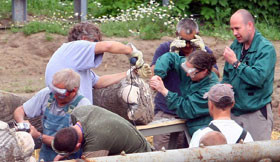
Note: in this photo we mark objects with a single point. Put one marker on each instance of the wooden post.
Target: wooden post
(165, 2)
(19, 10)
(80, 8)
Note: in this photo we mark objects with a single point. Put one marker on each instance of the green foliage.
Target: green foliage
(269, 31)
(49, 7)
(119, 29)
(56, 16)
(35, 27)
(48, 36)
(221, 32)
(5, 9)
(154, 30)
(112, 7)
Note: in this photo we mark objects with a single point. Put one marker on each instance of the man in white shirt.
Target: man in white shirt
(220, 102)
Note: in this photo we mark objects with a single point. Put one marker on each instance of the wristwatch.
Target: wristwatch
(235, 64)
(40, 138)
(38, 141)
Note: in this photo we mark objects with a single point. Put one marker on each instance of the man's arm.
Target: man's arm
(95, 154)
(119, 48)
(188, 107)
(167, 62)
(86, 155)
(19, 114)
(107, 80)
(36, 134)
(257, 73)
(112, 47)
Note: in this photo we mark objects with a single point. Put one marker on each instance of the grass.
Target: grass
(119, 29)
(269, 31)
(35, 27)
(5, 9)
(222, 32)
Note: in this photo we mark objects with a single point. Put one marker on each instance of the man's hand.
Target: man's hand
(228, 85)
(176, 44)
(157, 84)
(138, 54)
(229, 55)
(199, 43)
(34, 132)
(145, 71)
(58, 158)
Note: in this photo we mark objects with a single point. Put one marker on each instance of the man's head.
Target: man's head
(66, 141)
(220, 97)
(65, 85)
(213, 138)
(186, 29)
(242, 25)
(85, 31)
(198, 65)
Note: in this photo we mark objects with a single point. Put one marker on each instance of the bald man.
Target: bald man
(213, 138)
(249, 68)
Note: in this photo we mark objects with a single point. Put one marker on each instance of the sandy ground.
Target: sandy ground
(23, 60)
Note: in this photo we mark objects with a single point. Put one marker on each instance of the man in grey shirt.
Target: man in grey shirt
(54, 103)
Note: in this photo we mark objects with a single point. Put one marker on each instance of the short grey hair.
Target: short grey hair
(68, 77)
(188, 25)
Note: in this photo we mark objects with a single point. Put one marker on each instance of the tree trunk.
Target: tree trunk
(131, 98)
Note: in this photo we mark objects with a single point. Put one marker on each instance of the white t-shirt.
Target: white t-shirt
(229, 128)
(37, 105)
(79, 56)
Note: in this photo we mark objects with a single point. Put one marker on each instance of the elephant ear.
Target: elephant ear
(131, 98)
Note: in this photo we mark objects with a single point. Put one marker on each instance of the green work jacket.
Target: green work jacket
(252, 81)
(190, 105)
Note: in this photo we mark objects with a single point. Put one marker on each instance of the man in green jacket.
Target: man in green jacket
(196, 76)
(249, 68)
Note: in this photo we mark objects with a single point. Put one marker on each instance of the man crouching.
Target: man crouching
(98, 132)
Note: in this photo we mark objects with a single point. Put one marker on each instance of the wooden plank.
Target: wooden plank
(170, 126)
(162, 124)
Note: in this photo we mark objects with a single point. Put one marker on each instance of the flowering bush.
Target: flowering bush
(146, 19)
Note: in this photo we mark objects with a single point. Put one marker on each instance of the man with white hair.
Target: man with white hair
(220, 102)
(54, 103)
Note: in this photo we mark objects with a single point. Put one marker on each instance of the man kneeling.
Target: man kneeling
(98, 132)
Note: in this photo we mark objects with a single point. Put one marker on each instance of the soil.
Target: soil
(23, 60)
